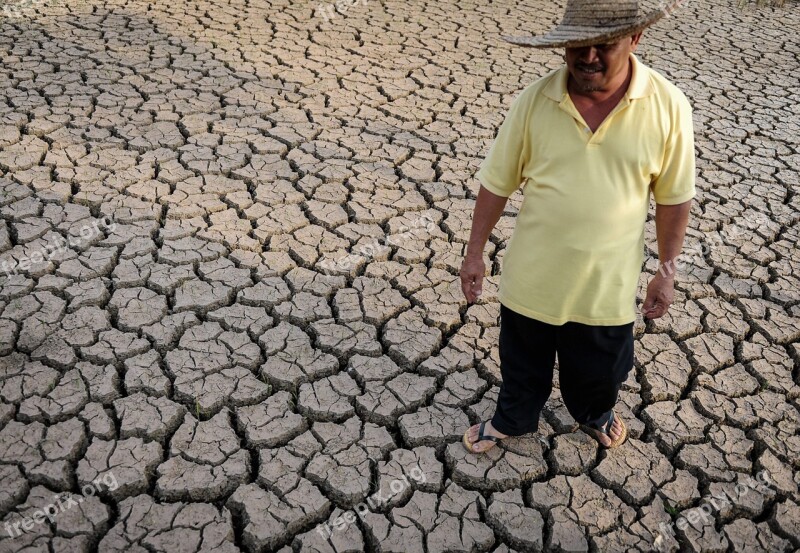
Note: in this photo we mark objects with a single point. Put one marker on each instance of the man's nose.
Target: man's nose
(587, 54)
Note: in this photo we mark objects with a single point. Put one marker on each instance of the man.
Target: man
(588, 143)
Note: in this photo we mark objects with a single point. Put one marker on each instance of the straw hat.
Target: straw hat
(588, 22)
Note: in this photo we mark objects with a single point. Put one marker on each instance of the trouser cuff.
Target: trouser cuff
(598, 422)
(503, 427)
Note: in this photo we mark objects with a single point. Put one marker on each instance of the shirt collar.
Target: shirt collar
(640, 86)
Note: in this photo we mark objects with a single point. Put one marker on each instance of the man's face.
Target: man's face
(596, 68)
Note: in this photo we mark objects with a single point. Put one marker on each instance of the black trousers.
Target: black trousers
(593, 362)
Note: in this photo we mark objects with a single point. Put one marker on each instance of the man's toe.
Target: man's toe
(602, 437)
(472, 436)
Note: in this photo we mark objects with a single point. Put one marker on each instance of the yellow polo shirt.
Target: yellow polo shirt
(577, 249)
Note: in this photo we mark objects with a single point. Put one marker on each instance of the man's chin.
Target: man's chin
(593, 83)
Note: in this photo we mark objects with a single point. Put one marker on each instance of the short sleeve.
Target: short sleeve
(501, 170)
(675, 184)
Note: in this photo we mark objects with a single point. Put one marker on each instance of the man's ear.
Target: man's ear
(635, 41)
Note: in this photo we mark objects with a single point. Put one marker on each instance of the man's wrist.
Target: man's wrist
(668, 269)
(473, 253)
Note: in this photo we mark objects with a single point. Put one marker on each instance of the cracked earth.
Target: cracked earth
(262, 326)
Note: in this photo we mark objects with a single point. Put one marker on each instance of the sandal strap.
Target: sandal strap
(482, 436)
(607, 426)
(604, 428)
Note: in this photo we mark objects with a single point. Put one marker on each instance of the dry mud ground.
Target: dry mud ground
(229, 309)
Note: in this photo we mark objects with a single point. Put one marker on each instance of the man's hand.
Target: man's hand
(660, 294)
(671, 221)
(488, 209)
(472, 271)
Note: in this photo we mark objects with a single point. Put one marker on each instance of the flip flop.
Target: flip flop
(606, 429)
(481, 437)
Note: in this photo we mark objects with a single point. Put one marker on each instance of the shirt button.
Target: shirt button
(587, 129)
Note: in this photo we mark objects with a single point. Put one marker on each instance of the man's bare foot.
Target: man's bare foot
(484, 445)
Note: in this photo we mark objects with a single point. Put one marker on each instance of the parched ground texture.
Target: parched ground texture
(256, 327)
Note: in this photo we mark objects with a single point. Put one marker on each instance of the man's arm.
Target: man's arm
(488, 209)
(671, 222)
(501, 174)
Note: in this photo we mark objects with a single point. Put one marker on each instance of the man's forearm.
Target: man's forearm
(488, 209)
(671, 222)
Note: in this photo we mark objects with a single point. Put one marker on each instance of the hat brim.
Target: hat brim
(570, 36)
